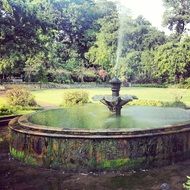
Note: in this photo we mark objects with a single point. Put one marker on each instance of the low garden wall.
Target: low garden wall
(81, 150)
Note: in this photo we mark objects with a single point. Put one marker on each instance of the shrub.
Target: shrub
(157, 103)
(71, 98)
(6, 110)
(147, 103)
(187, 83)
(178, 104)
(19, 96)
(150, 85)
(184, 84)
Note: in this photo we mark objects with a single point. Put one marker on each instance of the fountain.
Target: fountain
(88, 138)
(115, 102)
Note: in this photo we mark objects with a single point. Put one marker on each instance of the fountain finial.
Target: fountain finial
(115, 86)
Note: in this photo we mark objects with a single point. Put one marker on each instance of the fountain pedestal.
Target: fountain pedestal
(115, 102)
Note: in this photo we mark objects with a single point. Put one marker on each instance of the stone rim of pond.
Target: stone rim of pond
(22, 124)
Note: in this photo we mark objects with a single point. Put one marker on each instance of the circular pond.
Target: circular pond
(97, 117)
(91, 138)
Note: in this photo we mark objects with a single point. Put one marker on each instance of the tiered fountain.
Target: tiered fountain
(88, 138)
(115, 102)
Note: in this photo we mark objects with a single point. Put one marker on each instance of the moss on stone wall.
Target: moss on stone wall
(120, 163)
(20, 155)
(17, 154)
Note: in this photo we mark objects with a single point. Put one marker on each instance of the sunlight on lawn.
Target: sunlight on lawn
(55, 96)
(3, 101)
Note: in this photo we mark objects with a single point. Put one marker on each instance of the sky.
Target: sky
(152, 10)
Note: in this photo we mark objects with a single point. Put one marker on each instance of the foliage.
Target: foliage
(113, 164)
(103, 51)
(186, 185)
(71, 41)
(178, 104)
(183, 84)
(6, 110)
(150, 85)
(121, 163)
(20, 155)
(172, 61)
(19, 96)
(177, 15)
(17, 154)
(72, 98)
(147, 103)
(157, 103)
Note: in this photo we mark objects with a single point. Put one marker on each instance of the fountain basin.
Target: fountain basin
(123, 147)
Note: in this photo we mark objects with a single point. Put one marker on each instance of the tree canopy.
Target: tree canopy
(77, 40)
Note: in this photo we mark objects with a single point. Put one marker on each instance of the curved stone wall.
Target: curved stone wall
(82, 150)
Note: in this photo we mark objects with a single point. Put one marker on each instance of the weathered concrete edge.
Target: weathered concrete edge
(21, 125)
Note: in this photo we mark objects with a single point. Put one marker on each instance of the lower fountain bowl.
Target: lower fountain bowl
(96, 150)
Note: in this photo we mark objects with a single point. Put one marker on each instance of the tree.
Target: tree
(104, 49)
(177, 15)
(173, 61)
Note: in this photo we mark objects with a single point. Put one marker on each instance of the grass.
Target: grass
(54, 97)
(2, 100)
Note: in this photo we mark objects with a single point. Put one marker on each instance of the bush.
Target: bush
(72, 98)
(157, 103)
(184, 84)
(150, 85)
(178, 104)
(19, 96)
(6, 110)
(146, 103)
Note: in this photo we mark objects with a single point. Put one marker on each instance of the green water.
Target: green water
(98, 117)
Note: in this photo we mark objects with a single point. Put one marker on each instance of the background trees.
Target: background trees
(177, 15)
(68, 41)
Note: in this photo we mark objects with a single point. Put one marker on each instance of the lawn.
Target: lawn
(53, 97)
(2, 100)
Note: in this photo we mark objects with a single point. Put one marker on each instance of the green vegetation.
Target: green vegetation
(146, 103)
(113, 164)
(176, 15)
(119, 163)
(6, 110)
(157, 103)
(187, 184)
(55, 96)
(19, 96)
(20, 155)
(17, 154)
(17, 101)
(75, 41)
(71, 98)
